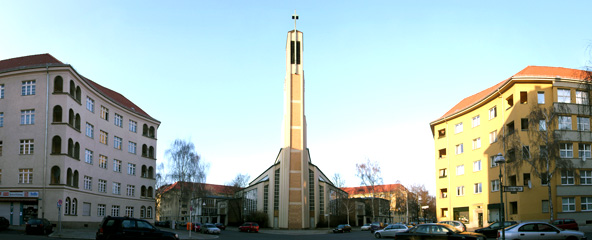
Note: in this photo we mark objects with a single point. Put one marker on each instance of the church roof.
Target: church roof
(43, 60)
(377, 189)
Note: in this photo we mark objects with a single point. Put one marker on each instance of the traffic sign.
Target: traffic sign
(60, 203)
(513, 189)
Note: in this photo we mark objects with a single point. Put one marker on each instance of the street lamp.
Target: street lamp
(499, 159)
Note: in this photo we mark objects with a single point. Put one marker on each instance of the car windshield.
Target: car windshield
(209, 226)
(34, 221)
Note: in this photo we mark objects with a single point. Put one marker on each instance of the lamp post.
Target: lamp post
(499, 160)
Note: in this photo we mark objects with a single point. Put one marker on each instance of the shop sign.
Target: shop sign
(16, 194)
(19, 194)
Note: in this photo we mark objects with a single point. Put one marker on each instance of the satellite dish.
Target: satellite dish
(529, 184)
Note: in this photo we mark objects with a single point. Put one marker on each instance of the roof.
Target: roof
(43, 60)
(530, 71)
(377, 189)
(212, 189)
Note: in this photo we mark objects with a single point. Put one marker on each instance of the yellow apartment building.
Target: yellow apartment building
(469, 135)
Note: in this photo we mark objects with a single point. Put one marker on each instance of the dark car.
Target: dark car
(4, 223)
(438, 231)
(566, 223)
(131, 228)
(341, 228)
(376, 226)
(249, 227)
(39, 226)
(220, 226)
(166, 224)
(491, 230)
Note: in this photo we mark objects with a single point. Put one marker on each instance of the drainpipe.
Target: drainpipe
(43, 199)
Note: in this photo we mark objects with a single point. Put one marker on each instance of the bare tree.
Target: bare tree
(345, 201)
(186, 168)
(369, 174)
(160, 182)
(236, 186)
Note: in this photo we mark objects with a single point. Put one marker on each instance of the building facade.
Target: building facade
(66, 140)
(385, 211)
(469, 135)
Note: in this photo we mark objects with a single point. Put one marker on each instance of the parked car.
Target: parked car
(366, 227)
(438, 231)
(566, 223)
(130, 228)
(457, 224)
(540, 230)
(249, 227)
(491, 230)
(197, 227)
(4, 223)
(376, 226)
(390, 230)
(341, 228)
(210, 228)
(220, 226)
(38, 225)
(166, 224)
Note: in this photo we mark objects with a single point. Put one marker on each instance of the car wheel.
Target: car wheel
(377, 235)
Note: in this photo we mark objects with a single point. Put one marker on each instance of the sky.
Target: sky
(377, 72)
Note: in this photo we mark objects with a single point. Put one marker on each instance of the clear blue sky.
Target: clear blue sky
(377, 72)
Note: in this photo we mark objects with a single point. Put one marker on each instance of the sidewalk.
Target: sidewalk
(90, 233)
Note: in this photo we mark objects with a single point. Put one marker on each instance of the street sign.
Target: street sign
(60, 203)
(513, 189)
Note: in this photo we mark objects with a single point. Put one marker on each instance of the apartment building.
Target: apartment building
(387, 192)
(469, 135)
(66, 140)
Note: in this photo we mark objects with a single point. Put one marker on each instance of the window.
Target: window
(476, 121)
(458, 128)
(513, 208)
(492, 160)
(26, 147)
(88, 156)
(545, 206)
(142, 212)
(149, 212)
(443, 172)
(510, 101)
(526, 178)
(133, 125)
(584, 151)
(477, 166)
(1, 91)
(116, 188)
(567, 177)
(104, 113)
(583, 124)
(568, 204)
(87, 183)
(103, 137)
(460, 170)
(131, 189)
(90, 130)
(563, 96)
(28, 117)
(117, 142)
(493, 136)
(28, 88)
(476, 143)
(444, 192)
(495, 185)
(442, 153)
(90, 104)
(26, 175)
(118, 120)
(478, 188)
(541, 97)
(116, 165)
(492, 113)
(442, 133)
(582, 97)
(102, 185)
(524, 124)
(564, 122)
(0, 148)
(510, 128)
(542, 125)
(115, 211)
(101, 210)
(131, 169)
(586, 177)
(131, 147)
(85, 209)
(129, 211)
(544, 180)
(67, 206)
(459, 148)
(525, 152)
(566, 150)
(586, 203)
(460, 191)
(102, 161)
(1, 119)
(523, 98)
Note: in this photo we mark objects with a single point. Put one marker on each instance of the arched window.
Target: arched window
(72, 89)
(144, 171)
(150, 172)
(78, 93)
(70, 147)
(142, 212)
(144, 150)
(143, 191)
(67, 206)
(151, 132)
(77, 121)
(55, 175)
(58, 84)
(145, 130)
(69, 177)
(71, 117)
(149, 192)
(75, 179)
(77, 150)
(149, 212)
(74, 205)
(57, 113)
(56, 145)
(151, 152)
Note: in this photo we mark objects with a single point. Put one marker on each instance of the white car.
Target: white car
(390, 230)
(210, 228)
(540, 230)
(366, 227)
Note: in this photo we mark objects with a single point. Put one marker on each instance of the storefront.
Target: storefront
(19, 206)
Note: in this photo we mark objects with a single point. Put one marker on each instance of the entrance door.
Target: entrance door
(480, 216)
